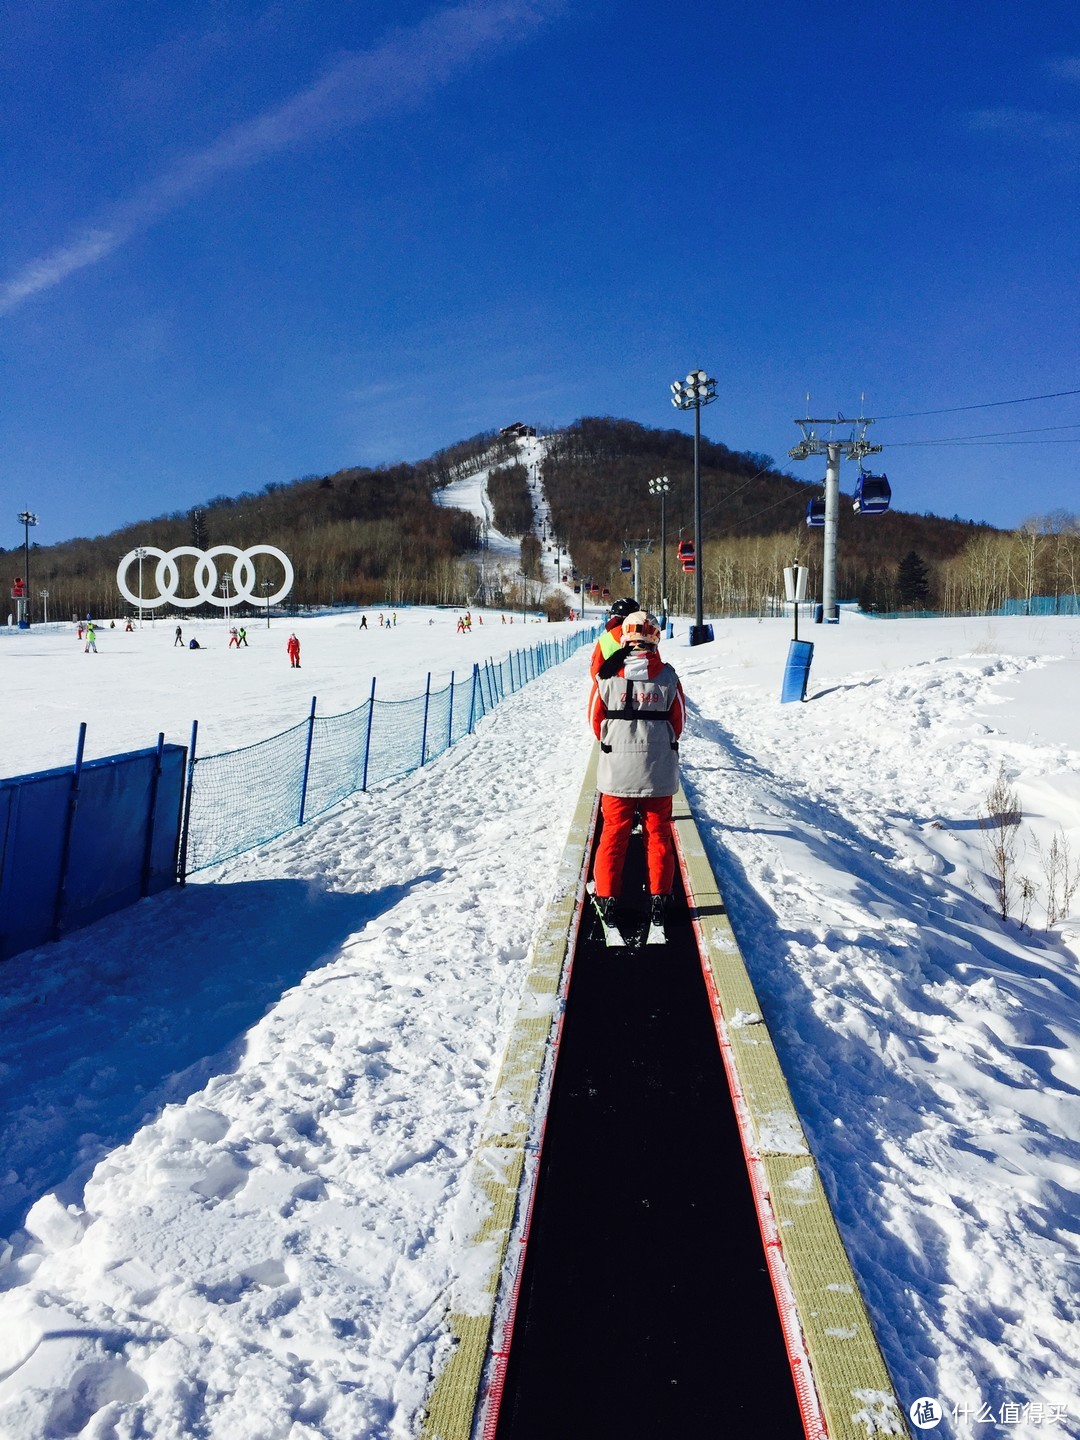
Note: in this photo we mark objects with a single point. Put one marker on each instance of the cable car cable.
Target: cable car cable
(989, 435)
(986, 405)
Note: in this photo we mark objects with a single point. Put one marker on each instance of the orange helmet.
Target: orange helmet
(640, 629)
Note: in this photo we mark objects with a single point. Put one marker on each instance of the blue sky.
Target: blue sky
(244, 242)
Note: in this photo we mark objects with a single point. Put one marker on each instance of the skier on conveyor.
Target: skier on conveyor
(636, 709)
(611, 636)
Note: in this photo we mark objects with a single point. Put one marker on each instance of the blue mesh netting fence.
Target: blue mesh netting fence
(242, 798)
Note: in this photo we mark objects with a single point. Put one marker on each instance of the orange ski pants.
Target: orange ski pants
(618, 815)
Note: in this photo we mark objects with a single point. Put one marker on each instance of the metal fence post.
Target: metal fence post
(307, 761)
(151, 817)
(69, 825)
(367, 741)
(186, 826)
(423, 735)
(450, 723)
(472, 702)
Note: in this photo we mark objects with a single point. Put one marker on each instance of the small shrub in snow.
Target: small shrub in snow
(1000, 824)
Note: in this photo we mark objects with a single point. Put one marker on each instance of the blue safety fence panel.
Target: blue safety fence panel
(396, 731)
(338, 745)
(797, 671)
(243, 798)
(78, 845)
(247, 797)
(1043, 605)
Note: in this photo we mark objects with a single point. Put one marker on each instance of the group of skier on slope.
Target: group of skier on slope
(637, 710)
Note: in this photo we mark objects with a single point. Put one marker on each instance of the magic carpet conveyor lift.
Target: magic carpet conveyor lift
(658, 1255)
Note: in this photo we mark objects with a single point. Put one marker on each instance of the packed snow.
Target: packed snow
(238, 1116)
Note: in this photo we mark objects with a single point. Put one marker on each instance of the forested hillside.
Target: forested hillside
(597, 475)
(377, 535)
(358, 536)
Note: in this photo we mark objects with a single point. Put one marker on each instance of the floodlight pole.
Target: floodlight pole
(661, 486)
(856, 447)
(26, 519)
(141, 553)
(696, 390)
(637, 546)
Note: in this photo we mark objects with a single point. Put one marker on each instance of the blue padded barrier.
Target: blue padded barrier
(76, 845)
(797, 671)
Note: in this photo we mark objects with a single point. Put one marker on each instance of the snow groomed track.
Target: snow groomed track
(645, 1177)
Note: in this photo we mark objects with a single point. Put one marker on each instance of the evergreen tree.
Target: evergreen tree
(913, 581)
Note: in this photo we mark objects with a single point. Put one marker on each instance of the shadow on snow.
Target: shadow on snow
(104, 1028)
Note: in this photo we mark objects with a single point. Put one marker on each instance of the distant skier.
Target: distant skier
(241, 638)
(293, 647)
(179, 637)
(234, 638)
(91, 640)
(636, 709)
(128, 626)
(363, 622)
(194, 644)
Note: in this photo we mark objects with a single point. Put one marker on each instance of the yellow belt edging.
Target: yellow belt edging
(498, 1164)
(848, 1371)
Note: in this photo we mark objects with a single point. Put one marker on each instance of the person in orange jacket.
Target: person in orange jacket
(637, 711)
(611, 637)
(292, 645)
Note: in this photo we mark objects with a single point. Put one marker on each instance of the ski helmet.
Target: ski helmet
(622, 608)
(640, 629)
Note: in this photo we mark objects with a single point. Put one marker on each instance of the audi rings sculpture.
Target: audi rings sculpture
(166, 576)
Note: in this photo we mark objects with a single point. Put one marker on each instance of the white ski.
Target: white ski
(613, 936)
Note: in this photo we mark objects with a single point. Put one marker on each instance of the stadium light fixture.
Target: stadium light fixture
(698, 389)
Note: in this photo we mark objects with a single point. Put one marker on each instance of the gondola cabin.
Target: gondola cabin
(624, 565)
(689, 565)
(873, 494)
(605, 594)
(686, 550)
(815, 511)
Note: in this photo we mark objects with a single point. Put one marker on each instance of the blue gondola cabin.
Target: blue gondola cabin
(873, 494)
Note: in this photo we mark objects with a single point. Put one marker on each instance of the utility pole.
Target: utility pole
(856, 447)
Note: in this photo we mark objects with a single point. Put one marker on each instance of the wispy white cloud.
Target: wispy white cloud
(1065, 67)
(357, 87)
(1061, 132)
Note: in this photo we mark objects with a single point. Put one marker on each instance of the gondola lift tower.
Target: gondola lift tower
(855, 447)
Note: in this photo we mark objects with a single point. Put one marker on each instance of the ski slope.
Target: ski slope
(236, 1117)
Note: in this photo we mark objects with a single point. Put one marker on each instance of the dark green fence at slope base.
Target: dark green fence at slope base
(242, 798)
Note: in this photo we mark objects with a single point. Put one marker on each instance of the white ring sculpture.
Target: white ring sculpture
(166, 576)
